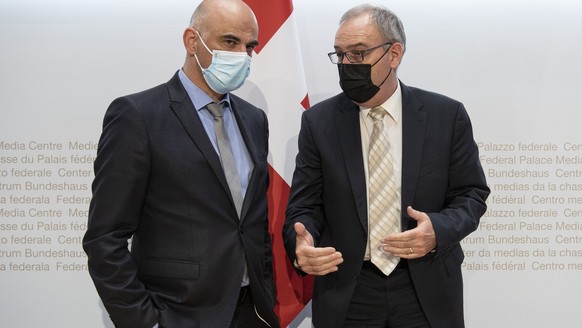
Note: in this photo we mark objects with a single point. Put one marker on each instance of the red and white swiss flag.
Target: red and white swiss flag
(277, 85)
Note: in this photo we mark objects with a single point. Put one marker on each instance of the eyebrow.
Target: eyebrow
(233, 37)
(230, 37)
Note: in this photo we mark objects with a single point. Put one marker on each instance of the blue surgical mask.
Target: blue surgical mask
(227, 71)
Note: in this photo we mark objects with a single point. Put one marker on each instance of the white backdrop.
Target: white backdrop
(514, 64)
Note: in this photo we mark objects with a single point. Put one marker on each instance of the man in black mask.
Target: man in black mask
(387, 183)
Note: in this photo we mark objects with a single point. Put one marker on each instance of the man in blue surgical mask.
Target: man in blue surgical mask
(182, 170)
(386, 185)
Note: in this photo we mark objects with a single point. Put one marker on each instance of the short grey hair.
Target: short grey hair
(387, 22)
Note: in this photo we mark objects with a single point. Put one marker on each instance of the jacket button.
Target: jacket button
(242, 230)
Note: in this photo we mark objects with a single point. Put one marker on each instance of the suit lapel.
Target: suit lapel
(413, 134)
(183, 108)
(350, 140)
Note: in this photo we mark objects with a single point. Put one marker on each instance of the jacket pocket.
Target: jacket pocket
(170, 269)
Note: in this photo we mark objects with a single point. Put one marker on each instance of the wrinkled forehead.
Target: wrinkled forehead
(357, 31)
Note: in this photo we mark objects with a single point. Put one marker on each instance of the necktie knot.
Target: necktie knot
(215, 109)
(377, 114)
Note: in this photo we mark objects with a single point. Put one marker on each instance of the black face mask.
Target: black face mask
(356, 81)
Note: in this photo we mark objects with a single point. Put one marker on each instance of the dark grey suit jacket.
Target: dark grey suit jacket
(158, 179)
(441, 175)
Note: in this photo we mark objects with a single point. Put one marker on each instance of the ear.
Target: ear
(396, 53)
(190, 37)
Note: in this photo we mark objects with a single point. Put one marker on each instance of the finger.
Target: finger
(303, 236)
(416, 215)
(300, 229)
(399, 239)
(323, 266)
(315, 256)
(415, 249)
(323, 272)
(403, 252)
(321, 257)
(412, 212)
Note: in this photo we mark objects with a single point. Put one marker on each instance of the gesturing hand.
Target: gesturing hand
(314, 260)
(413, 243)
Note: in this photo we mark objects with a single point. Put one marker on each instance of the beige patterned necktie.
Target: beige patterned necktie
(226, 157)
(383, 216)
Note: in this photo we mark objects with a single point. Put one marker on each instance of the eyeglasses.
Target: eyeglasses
(353, 56)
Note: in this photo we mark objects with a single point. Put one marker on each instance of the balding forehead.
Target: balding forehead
(212, 13)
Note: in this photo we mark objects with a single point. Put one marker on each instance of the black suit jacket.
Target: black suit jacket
(441, 175)
(159, 180)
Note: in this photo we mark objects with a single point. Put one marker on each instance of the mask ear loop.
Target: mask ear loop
(379, 85)
(198, 62)
(384, 54)
(204, 43)
(390, 72)
(196, 56)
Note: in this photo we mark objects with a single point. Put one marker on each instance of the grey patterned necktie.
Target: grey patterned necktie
(383, 216)
(226, 156)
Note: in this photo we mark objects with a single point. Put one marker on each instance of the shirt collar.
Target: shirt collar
(198, 97)
(392, 105)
